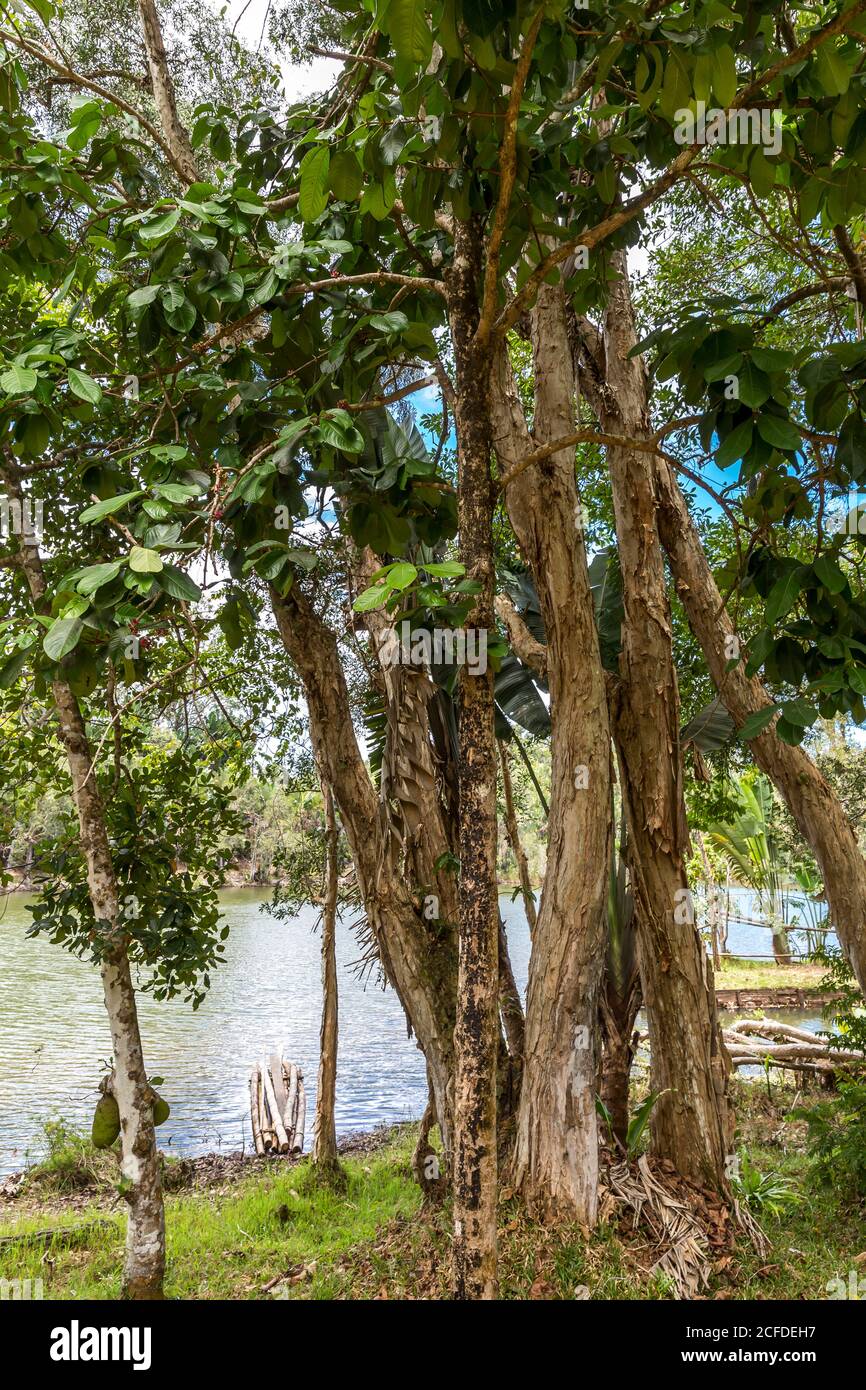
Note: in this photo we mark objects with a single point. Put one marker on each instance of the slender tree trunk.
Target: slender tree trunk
(513, 1021)
(555, 1156)
(513, 832)
(163, 92)
(416, 954)
(691, 1122)
(814, 805)
(712, 898)
(476, 1036)
(325, 1128)
(144, 1264)
(618, 1056)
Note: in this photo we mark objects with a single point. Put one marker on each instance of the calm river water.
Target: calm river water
(54, 1032)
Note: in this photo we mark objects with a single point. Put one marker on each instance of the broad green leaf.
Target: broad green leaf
(61, 637)
(829, 574)
(313, 198)
(757, 722)
(93, 578)
(725, 75)
(143, 561)
(409, 30)
(83, 386)
(18, 381)
(346, 176)
(737, 443)
(784, 595)
(401, 576)
(160, 227)
(782, 434)
(178, 584)
(109, 505)
(446, 569)
(371, 598)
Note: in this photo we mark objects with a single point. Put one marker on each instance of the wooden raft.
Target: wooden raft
(278, 1107)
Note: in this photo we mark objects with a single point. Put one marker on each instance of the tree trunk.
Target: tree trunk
(691, 1122)
(615, 1081)
(513, 833)
(476, 1035)
(816, 809)
(144, 1264)
(163, 92)
(325, 1129)
(555, 1157)
(416, 955)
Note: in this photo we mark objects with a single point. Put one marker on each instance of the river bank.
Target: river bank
(268, 1230)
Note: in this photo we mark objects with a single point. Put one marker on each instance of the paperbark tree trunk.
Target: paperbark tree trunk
(325, 1127)
(476, 1035)
(555, 1157)
(813, 804)
(513, 832)
(144, 1263)
(691, 1124)
(416, 959)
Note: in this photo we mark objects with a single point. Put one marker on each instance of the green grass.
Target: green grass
(734, 973)
(228, 1244)
(374, 1240)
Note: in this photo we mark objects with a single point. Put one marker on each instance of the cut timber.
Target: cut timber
(254, 1112)
(281, 1139)
(278, 1107)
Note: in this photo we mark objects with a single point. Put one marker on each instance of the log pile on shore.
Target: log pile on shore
(754, 1042)
(278, 1107)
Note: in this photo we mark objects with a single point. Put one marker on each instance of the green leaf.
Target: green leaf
(146, 294)
(314, 171)
(61, 637)
(784, 595)
(401, 576)
(393, 322)
(346, 176)
(447, 569)
(89, 580)
(109, 505)
(725, 75)
(736, 445)
(83, 386)
(799, 712)
(410, 33)
(11, 669)
(829, 574)
(757, 722)
(143, 561)
(753, 385)
(18, 381)
(371, 598)
(782, 434)
(160, 227)
(178, 584)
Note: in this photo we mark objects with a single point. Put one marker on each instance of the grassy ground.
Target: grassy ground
(734, 973)
(375, 1240)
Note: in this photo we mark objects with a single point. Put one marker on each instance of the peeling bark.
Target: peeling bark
(417, 961)
(555, 1156)
(816, 809)
(691, 1122)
